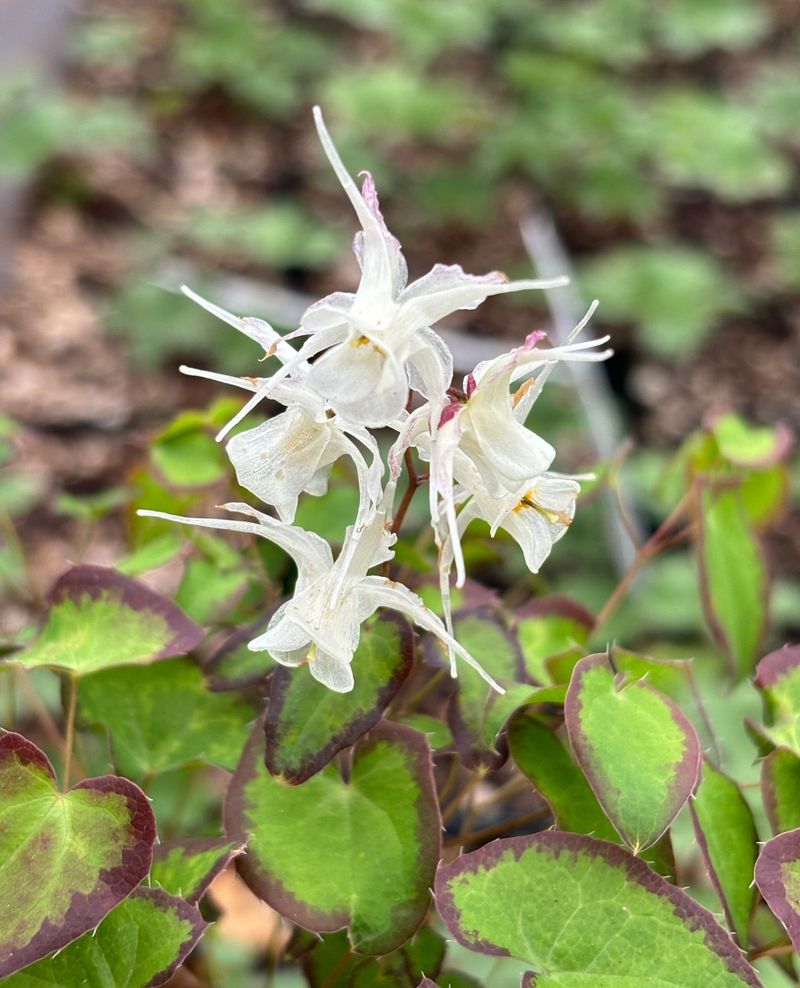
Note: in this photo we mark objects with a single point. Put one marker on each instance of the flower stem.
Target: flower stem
(414, 483)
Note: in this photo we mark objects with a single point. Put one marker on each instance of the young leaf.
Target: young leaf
(747, 445)
(186, 867)
(780, 789)
(99, 619)
(331, 853)
(306, 723)
(477, 713)
(548, 626)
(139, 944)
(637, 749)
(778, 878)
(726, 834)
(778, 677)
(68, 858)
(162, 716)
(733, 578)
(584, 912)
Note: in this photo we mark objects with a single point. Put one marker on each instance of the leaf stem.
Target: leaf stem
(658, 541)
(69, 740)
(498, 829)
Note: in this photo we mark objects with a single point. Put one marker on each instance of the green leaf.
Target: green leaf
(542, 758)
(186, 867)
(637, 749)
(162, 716)
(778, 879)
(331, 853)
(780, 789)
(477, 712)
(584, 913)
(208, 589)
(691, 27)
(747, 445)
(549, 626)
(675, 295)
(778, 677)
(186, 454)
(733, 578)
(138, 945)
(306, 723)
(99, 619)
(68, 858)
(726, 834)
(438, 734)
(763, 494)
(157, 552)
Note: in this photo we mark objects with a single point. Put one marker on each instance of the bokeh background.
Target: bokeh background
(652, 150)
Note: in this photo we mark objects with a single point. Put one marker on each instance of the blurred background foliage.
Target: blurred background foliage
(177, 145)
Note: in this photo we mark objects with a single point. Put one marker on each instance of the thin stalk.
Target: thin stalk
(49, 725)
(498, 829)
(658, 541)
(414, 483)
(69, 740)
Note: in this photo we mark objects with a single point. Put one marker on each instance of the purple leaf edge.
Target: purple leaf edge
(717, 939)
(687, 771)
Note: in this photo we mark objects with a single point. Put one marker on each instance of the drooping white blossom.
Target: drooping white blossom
(321, 624)
(293, 452)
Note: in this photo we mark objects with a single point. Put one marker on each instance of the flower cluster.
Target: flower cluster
(364, 355)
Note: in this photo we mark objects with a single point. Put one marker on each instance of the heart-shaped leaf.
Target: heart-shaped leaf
(186, 867)
(67, 858)
(778, 677)
(778, 878)
(162, 716)
(99, 618)
(306, 723)
(639, 752)
(780, 789)
(583, 912)
(726, 834)
(733, 578)
(548, 627)
(138, 945)
(331, 853)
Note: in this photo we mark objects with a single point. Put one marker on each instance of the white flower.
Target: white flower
(379, 341)
(292, 452)
(481, 442)
(321, 624)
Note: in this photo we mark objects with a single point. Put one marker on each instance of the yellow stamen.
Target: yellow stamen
(554, 517)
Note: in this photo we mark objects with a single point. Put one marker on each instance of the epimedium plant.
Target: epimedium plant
(564, 768)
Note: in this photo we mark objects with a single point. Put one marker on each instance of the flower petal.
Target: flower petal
(331, 672)
(362, 384)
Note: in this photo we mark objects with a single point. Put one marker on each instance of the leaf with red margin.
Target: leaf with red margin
(330, 853)
(139, 944)
(780, 789)
(99, 618)
(451, 979)
(778, 879)
(306, 723)
(778, 678)
(734, 583)
(727, 837)
(638, 750)
(186, 867)
(68, 858)
(581, 911)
